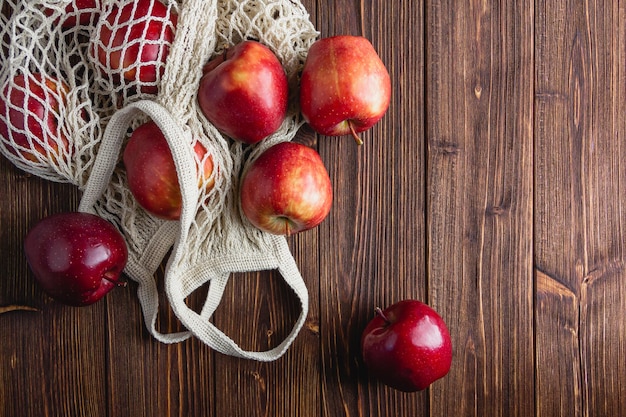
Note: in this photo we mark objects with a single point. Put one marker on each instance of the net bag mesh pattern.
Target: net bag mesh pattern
(74, 82)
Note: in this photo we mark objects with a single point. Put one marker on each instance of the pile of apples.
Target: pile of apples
(244, 93)
(344, 89)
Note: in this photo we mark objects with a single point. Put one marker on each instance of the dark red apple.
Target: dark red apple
(133, 39)
(407, 346)
(244, 92)
(30, 113)
(83, 12)
(345, 87)
(77, 258)
(151, 172)
(286, 190)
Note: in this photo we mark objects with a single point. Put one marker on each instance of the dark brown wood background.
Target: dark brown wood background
(493, 189)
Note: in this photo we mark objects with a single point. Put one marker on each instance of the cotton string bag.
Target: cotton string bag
(94, 107)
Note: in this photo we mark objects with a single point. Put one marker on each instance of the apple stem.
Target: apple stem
(111, 277)
(381, 314)
(287, 228)
(356, 137)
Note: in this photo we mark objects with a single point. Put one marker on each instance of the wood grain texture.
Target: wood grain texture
(375, 252)
(479, 196)
(579, 231)
(493, 189)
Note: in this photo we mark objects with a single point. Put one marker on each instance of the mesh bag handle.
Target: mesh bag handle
(181, 279)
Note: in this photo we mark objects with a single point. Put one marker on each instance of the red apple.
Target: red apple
(407, 346)
(83, 12)
(286, 190)
(134, 39)
(345, 87)
(151, 172)
(30, 113)
(244, 92)
(77, 258)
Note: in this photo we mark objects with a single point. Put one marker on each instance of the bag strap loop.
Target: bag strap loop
(180, 279)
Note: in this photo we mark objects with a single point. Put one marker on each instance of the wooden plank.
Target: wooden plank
(53, 361)
(374, 252)
(258, 311)
(559, 206)
(479, 129)
(579, 232)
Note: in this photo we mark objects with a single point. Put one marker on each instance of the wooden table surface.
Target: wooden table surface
(493, 190)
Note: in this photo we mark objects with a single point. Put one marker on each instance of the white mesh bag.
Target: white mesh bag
(74, 94)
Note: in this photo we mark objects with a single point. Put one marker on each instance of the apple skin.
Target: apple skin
(286, 190)
(151, 172)
(138, 46)
(77, 258)
(78, 12)
(407, 346)
(41, 97)
(345, 88)
(244, 92)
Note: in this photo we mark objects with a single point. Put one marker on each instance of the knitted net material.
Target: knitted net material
(75, 82)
